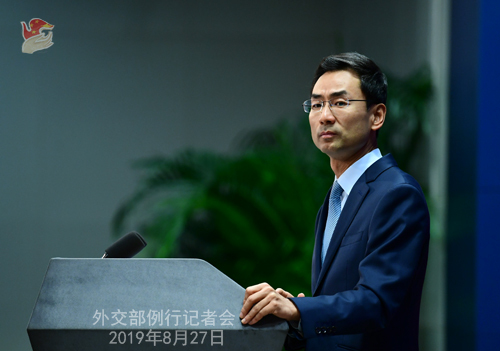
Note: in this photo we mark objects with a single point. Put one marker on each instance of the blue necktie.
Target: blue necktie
(334, 209)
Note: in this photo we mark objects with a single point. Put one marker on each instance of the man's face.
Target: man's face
(347, 134)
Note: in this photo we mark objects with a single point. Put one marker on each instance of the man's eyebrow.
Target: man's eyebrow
(334, 94)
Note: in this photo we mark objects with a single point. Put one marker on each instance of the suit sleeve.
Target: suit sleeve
(398, 237)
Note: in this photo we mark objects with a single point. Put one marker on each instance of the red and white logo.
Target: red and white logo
(34, 37)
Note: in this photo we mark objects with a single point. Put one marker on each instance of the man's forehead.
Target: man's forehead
(336, 83)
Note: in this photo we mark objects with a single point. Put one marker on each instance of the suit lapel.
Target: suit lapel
(320, 229)
(351, 207)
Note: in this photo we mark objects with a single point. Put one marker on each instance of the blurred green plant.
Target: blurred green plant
(252, 214)
(406, 124)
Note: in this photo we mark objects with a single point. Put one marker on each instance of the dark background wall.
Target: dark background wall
(129, 79)
(462, 189)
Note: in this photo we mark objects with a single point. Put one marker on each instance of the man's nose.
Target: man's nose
(327, 116)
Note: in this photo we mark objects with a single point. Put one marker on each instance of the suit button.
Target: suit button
(318, 331)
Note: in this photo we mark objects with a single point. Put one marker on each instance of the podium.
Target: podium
(144, 304)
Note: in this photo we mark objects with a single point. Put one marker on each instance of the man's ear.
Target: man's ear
(378, 116)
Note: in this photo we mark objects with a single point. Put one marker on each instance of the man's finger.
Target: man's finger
(274, 304)
(253, 289)
(267, 309)
(255, 294)
(301, 295)
(284, 293)
(265, 298)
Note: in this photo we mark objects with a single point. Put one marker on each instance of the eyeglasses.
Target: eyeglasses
(338, 105)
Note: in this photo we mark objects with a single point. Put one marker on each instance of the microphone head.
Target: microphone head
(126, 247)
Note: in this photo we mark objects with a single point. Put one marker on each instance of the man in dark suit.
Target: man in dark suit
(372, 231)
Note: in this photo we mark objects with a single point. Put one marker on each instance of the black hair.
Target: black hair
(373, 81)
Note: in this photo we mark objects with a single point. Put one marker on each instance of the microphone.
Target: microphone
(127, 246)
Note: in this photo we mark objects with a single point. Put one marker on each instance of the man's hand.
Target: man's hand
(261, 300)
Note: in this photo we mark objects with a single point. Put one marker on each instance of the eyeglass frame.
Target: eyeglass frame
(330, 104)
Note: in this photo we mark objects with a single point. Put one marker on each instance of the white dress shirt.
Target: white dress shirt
(352, 174)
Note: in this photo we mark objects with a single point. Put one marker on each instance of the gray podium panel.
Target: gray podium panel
(144, 304)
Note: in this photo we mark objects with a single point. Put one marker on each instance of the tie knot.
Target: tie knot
(336, 190)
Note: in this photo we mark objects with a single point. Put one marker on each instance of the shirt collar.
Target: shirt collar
(352, 174)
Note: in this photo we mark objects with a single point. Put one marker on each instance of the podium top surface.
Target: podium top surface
(139, 294)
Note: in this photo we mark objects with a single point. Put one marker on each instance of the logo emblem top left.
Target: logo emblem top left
(35, 38)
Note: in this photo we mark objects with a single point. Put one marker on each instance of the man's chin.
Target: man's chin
(329, 149)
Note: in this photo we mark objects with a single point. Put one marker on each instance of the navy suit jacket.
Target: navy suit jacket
(366, 295)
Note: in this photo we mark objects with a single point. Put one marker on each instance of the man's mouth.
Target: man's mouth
(327, 134)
